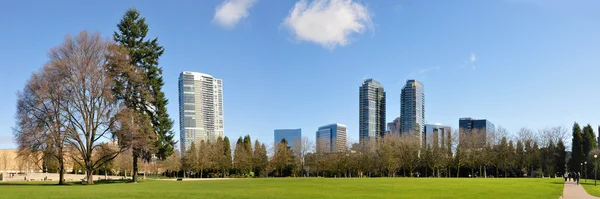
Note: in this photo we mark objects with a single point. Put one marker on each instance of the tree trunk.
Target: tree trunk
(89, 173)
(135, 168)
(61, 171)
(497, 174)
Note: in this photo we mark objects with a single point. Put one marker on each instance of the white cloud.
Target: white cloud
(328, 22)
(426, 70)
(230, 12)
(472, 60)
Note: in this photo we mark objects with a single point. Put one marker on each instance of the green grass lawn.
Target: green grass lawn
(299, 188)
(590, 188)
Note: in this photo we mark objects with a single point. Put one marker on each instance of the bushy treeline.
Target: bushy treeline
(458, 154)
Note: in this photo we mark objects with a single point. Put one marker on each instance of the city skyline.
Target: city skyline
(467, 54)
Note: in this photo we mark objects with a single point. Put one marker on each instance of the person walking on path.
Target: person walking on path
(578, 177)
(569, 176)
(565, 176)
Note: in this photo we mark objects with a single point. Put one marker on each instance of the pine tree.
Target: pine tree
(589, 144)
(550, 159)
(145, 55)
(561, 154)
(141, 89)
(255, 160)
(263, 159)
(520, 158)
(226, 161)
(589, 140)
(576, 149)
(511, 157)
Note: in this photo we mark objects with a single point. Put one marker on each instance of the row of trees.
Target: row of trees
(458, 154)
(404, 155)
(214, 159)
(96, 99)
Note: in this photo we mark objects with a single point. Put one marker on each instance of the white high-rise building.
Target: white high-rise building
(200, 108)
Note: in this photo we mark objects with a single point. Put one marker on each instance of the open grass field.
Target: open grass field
(299, 188)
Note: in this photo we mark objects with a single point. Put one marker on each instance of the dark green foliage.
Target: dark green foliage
(226, 160)
(260, 159)
(576, 150)
(144, 53)
(561, 154)
(589, 140)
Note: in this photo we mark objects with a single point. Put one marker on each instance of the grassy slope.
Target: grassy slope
(300, 188)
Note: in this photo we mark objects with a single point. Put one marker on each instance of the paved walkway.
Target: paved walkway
(572, 190)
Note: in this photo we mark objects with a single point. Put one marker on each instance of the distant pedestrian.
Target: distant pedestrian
(570, 176)
(578, 177)
(565, 176)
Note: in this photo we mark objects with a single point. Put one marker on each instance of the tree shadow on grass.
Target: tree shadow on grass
(99, 182)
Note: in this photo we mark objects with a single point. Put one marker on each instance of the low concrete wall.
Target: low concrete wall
(52, 177)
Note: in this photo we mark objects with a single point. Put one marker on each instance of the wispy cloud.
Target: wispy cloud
(473, 57)
(328, 22)
(230, 12)
(471, 61)
(426, 70)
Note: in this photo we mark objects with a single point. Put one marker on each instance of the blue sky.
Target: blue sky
(298, 64)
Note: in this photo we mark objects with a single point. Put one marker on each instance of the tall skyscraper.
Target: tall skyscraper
(394, 127)
(200, 108)
(331, 138)
(293, 137)
(371, 110)
(412, 108)
(475, 131)
(435, 135)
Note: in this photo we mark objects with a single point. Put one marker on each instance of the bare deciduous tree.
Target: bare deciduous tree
(89, 106)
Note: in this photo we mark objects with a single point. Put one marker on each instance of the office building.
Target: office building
(331, 138)
(435, 135)
(371, 110)
(393, 127)
(412, 108)
(293, 137)
(475, 131)
(200, 108)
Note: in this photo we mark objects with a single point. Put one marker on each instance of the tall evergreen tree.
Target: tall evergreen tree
(520, 158)
(144, 53)
(576, 149)
(227, 162)
(589, 140)
(511, 157)
(561, 154)
(589, 144)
